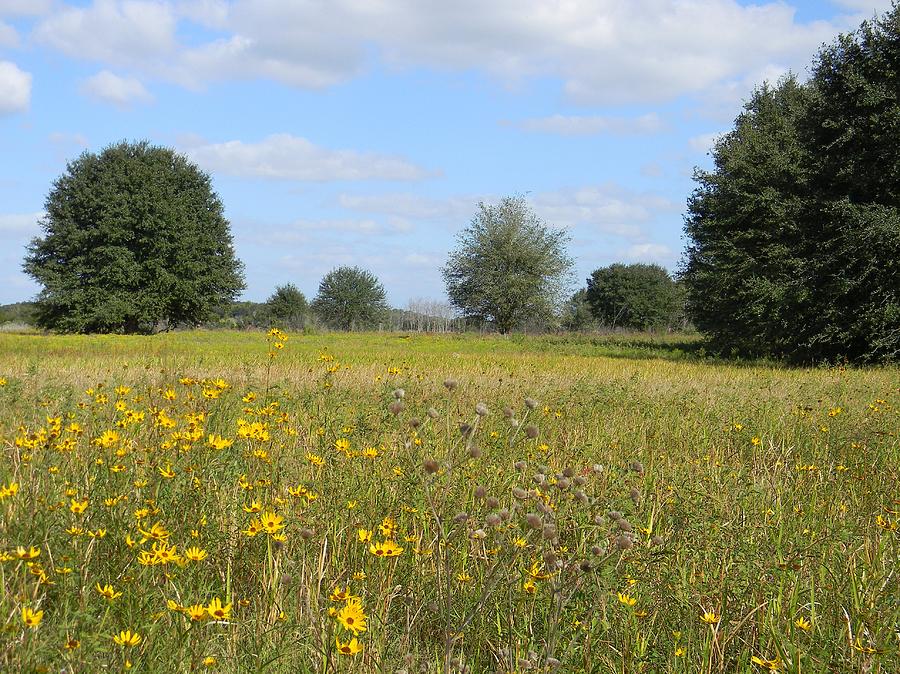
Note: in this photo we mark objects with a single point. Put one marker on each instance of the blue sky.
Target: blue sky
(366, 131)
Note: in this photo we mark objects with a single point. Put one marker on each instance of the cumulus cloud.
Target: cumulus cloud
(119, 32)
(603, 51)
(8, 36)
(704, 142)
(592, 125)
(649, 252)
(25, 7)
(19, 224)
(119, 91)
(287, 157)
(15, 88)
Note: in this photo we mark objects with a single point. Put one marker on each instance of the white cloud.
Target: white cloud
(15, 88)
(649, 252)
(25, 7)
(608, 209)
(575, 125)
(119, 91)
(603, 51)
(19, 225)
(8, 36)
(870, 6)
(120, 32)
(287, 157)
(705, 142)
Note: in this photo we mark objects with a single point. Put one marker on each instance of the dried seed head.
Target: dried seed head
(656, 540)
(534, 520)
(637, 467)
(492, 520)
(414, 422)
(550, 558)
(492, 502)
(553, 663)
(474, 452)
(538, 478)
(480, 491)
(624, 525)
(563, 484)
(507, 412)
(459, 518)
(524, 664)
(597, 468)
(479, 534)
(584, 565)
(623, 542)
(399, 393)
(519, 493)
(450, 384)
(531, 403)
(464, 429)
(306, 534)
(395, 407)
(581, 497)
(599, 520)
(431, 466)
(433, 413)
(505, 515)
(596, 550)
(514, 423)
(531, 431)
(543, 470)
(635, 495)
(614, 515)
(549, 531)
(285, 579)
(579, 481)
(481, 409)
(520, 465)
(569, 472)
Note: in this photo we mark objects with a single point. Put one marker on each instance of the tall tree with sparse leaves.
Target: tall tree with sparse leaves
(509, 267)
(350, 298)
(794, 236)
(134, 238)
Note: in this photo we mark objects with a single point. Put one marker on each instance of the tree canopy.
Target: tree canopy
(350, 298)
(794, 235)
(287, 307)
(133, 237)
(509, 267)
(636, 296)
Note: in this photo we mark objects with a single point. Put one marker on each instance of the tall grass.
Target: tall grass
(568, 505)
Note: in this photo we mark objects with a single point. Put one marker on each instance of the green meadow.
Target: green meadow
(383, 502)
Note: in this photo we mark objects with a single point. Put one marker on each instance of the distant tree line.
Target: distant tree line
(793, 240)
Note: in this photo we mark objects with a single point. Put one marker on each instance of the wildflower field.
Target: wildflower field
(243, 502)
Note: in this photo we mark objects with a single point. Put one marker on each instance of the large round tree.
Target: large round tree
(350, 298)
(134, 239)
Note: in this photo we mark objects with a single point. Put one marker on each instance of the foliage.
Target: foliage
(350, 298)
(287, 307)
(509, 266)
(795, 234)
(634, 296)
(231, 508)
(133, 237)
(19, 312)
(577, 315)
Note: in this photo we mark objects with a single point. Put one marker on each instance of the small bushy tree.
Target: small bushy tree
(350, 298)
(509, 267)
(635, 296)
(286, 307)
(133, 237)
